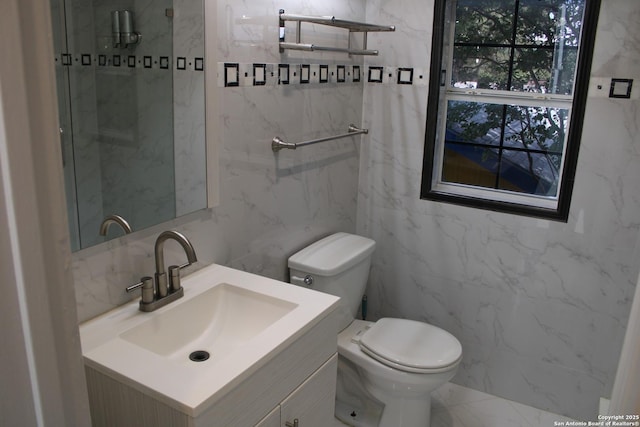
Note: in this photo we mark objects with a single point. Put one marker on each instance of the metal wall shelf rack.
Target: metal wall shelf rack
(352, 26)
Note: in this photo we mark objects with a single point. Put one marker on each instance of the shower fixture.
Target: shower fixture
(122, 29)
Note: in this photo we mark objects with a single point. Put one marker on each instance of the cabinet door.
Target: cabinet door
(313, 403)
(271, 420)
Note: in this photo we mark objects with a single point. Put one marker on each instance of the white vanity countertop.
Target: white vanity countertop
(192, 387)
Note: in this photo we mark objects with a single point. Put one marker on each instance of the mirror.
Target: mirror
(130, 80)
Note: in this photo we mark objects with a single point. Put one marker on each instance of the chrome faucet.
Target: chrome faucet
(156, 293)
(114, 219)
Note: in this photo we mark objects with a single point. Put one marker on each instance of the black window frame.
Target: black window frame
(583, 72)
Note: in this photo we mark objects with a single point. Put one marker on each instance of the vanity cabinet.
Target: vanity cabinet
(271, 420)
(312, 403)
(298, 382)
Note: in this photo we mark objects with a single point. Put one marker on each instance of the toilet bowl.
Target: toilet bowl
(405, 391)
(398, 362)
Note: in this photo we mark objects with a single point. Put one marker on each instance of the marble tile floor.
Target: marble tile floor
(456, 406)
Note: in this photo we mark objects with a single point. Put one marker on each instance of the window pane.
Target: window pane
(481, 67)
(538, 22)
(536, 128)
(469, 164)
(484, 21)
(474, 122)
(554, 23)
(544, 45)
(566, 61)
(549, 22)
(532, 70)
(525, 157)
(530, 173)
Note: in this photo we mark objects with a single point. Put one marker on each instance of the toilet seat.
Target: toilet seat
(411, 346)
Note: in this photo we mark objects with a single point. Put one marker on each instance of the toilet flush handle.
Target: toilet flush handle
(307, 280)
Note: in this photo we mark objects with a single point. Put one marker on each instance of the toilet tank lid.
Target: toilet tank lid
(333, 254)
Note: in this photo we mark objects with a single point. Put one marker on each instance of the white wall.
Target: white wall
(540, 307)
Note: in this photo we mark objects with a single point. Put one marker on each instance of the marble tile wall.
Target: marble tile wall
(540, 307)
(271, 205)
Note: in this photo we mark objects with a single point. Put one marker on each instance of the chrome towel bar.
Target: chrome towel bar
(278, 144)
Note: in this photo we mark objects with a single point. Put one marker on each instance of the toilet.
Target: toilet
(393, 364)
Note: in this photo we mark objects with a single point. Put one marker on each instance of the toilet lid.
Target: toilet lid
(411, 346)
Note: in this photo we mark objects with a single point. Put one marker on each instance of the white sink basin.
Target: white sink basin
(241, 320)
(218, 321)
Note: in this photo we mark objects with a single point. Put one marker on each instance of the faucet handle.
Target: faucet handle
(174, 277)
(146, 283)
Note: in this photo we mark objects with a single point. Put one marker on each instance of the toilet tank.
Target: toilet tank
(338, 265)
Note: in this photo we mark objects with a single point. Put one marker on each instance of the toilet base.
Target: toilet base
(357, 407)
(355, 416)
(406, 413)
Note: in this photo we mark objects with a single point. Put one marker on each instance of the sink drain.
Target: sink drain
(199, 356)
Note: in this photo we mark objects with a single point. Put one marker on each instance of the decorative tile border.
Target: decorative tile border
(234, 74)
(129, 61)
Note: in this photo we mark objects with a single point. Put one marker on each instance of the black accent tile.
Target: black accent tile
(181, 63)
(231, 74)
(356, 73)
(164, 62)
(85, 59)
(198, 64)
(324, 73)
(147, 62)
(259, 74)
(102, 60)
(405, 76)
(621, 88)
(375, 74)
(341, 70)
(305, 73)
(283, 74)
(116, 60)
(66, 59)
(131, 61)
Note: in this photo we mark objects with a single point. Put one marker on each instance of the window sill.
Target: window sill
(558, 213)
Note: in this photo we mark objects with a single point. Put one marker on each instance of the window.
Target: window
(507, 94)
